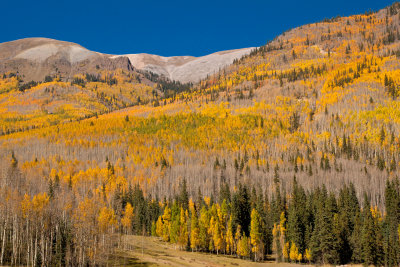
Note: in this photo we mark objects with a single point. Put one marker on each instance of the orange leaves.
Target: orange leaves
(216, 111)
(107, 219)
(40, 202)
(36, 206)
(126, 221)
(85, 214)
(26, 206)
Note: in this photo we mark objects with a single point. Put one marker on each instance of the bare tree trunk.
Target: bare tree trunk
(3, 243)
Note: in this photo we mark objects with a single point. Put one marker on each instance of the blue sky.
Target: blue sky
(167, 28)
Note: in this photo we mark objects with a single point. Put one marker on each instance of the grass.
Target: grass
(151, 251)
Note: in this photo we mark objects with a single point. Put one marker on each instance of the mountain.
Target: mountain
(186, 68)
(36, 58)
(259, 160)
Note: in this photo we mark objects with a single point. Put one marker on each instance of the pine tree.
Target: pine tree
(349, 209)
(277, 202)
(324, 242)
(225, 193)
(183, 198)
(241, 208)
(200, 200)
(368, 237)
(392, 221)
(297, 215)
(355, 240)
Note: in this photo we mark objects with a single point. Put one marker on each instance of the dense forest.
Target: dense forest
(309, 226)
(292, 153)
(303, 226)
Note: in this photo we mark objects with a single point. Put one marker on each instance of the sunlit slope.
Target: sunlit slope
(319, 102)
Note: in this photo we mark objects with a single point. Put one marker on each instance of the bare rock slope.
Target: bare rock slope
(186, 68)
(34, 58)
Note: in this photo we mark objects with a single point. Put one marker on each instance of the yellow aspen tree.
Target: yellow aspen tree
(238, 235)
(285, 251)
(126, 221)
(294, 252)
(256, 235)
(299, 257)
(276, 248)
(26, 206)
(204, 224)
(282, 237)
(278, 233)
(159, 227)
(191, 206)
(217, 236)
(107, 219)
(39, 203)
(244, 247)
(307, 255)
(183, 237)
(166, 220)
(194, 232)
(223, 216)
(210, 231)
(230, 242)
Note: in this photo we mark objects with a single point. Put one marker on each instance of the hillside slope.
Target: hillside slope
(292, 153)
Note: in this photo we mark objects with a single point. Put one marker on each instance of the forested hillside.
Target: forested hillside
(291, 154)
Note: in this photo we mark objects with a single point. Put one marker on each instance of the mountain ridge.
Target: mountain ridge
(41, 52)
(186, 68)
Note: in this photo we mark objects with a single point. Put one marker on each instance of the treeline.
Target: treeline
(108, 79)
(168, 87)
(304, 226)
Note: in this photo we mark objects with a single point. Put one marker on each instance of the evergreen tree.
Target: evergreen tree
(225, 193)
(392, 221)
(370, 250)
(200, 200)
(297, 215)
(175, 223)
(183, 198)
(348, 210)
(241, 208)
(355, 240)
(324, 242)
